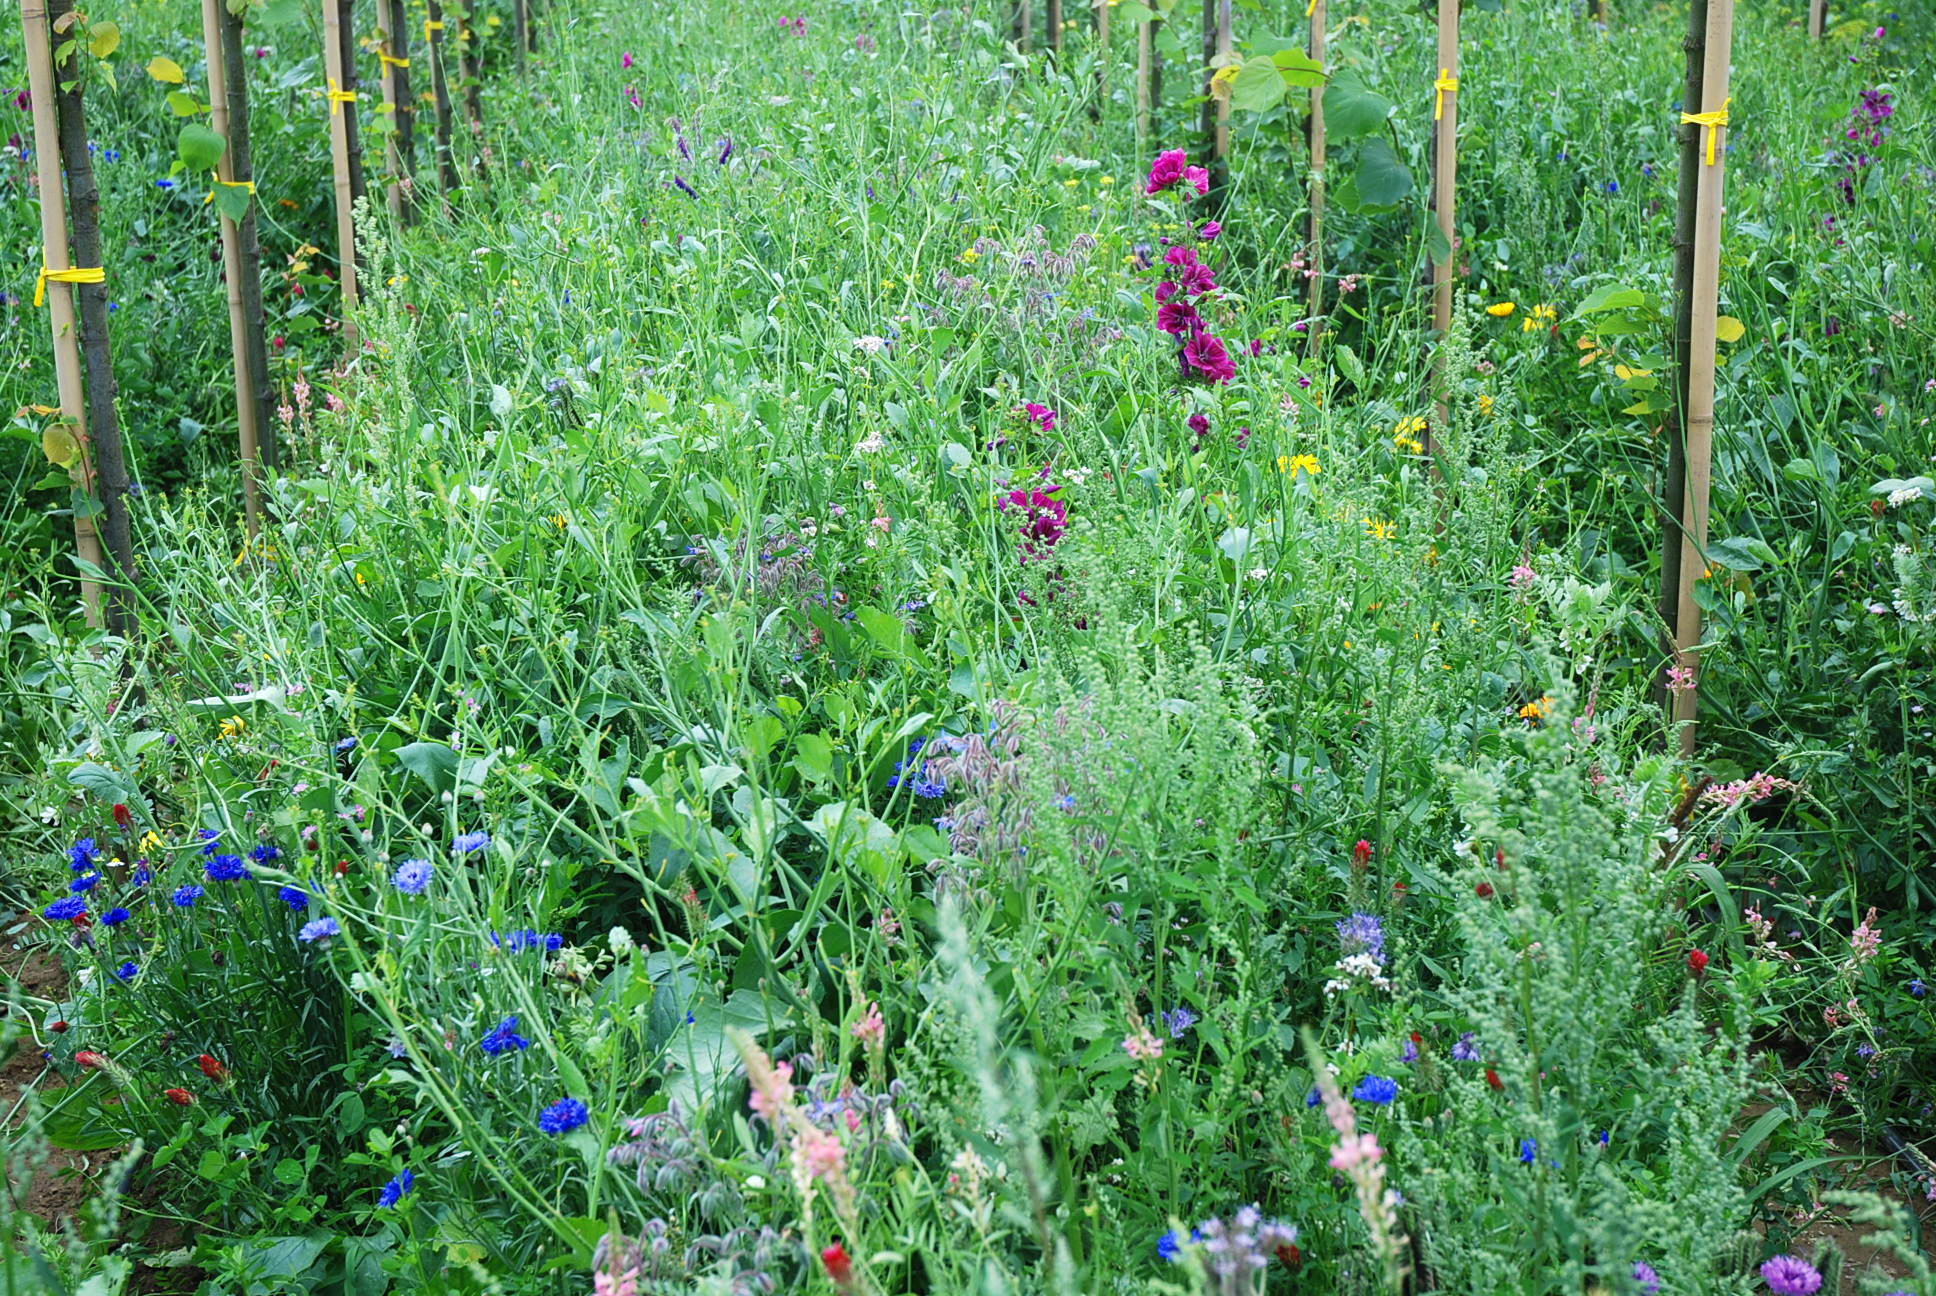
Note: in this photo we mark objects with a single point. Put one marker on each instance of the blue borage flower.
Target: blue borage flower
(227, 868)
(1362, 933)
(412, 876)
(563, 1116)
(1917, 988)
(295, 897)
(1179, 1020)
(186, 896)
(505, 1039)
(1377, 1089)
(1529, 1150)
(143, 875)
(346, 744)
(81, 856)
(1466, 1049)
(65, 909)
(115, 917)
(466, 843)
(528, 939)
(127, 970)
(319, 929)
(398, 1188)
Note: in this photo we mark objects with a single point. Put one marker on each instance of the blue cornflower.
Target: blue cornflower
(1313, 1098)
(1645, 1278)
(1611, 186)
(1168, 1247)
(1466, 1050)
(931, 788)
(127, 970)
(227, 868)
(209, 837)
(1376, 1089)
(1362, 933)
(265, 853)
(295, 897)
(1529, 1150)
(115, 917)
(186, 896)
(113, 155)
(84, 883)
(470, 841)
(393, 1192)
(690, 1019)
(164, 183)
(563, 1116)
(1179, 1020)
(1606, 1136)
(319, 929)
(505, 1039)
(412, 876)
(83, 854)
(65, 909)
(1917, 988)
(143, 875)
(1067, 802)
(346, 744)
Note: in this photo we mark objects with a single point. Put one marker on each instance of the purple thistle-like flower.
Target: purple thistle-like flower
(1179, 1020)
(1362, 933)
(1788, 1275)
(1467, 1048)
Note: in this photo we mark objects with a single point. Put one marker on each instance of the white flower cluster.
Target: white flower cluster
(1361, 966)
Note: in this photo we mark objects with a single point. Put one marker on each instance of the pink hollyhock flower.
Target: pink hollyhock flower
(1165, 291)
(1042, 414)
(1166, 170)
(1178, 317)
(1208, 231)
(1199, 177)
(1205, 353)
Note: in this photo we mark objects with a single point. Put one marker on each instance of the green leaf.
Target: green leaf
(1259, 86)
(232, 201)
(1611, 297)
(433, 762)
(103, 39)
(1742, 553)
(1383, 180)
(1299, 68)
(1438, 248)
(1351, 108)
(183, 105)
(199, 147)
(1354, 368)
(165, 70)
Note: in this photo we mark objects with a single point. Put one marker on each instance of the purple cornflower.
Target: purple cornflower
(1411, 1052)
(1788, 1275)
(1362, 933)
(1645, 1278)
(1467, 1049)
(295, 897)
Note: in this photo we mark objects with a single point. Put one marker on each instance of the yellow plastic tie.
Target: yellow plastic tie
(430, 27)
(79, 275)
(232, 184)
(338, 97)
(1311, 8)
(394, 62)
(1719, 117)
(1445, 84)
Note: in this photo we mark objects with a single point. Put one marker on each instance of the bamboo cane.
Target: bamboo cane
(1101, 18)
(239, 160)
(60, 296)
(1055, 29)
(1700, 358)
(339, 148)
(104, 432)
(440, 91)
(520, 35)
(1144, 31)
(392, 107)
(1816, 13)
(1445, 170)
(1024, 29)
(403, 117)
(1316, 138)
(352, 118)
(1674, 487)
(246, 407)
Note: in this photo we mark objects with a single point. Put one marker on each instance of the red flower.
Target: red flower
(57, 1027)
(1501, 857)
(1361, 852)
(839, 1267)
(1289, 1256)
(90, 1059)
(342, 867)
(122, 817)
(212, 1068)
(1399, 889)
(1417, 1038)
(1484, 890)
(1696, 962)
(1492, 1078)
(179, 1097)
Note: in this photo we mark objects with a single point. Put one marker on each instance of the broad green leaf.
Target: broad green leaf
(1259, 86)
(59, 445)
(1742, 553)
(232, 201)
(165, 70)
(183, 105)
(199, 147)
(433, 762)
(1610, 297)
(1299, 68)
(1351, 108)
(1383, 180)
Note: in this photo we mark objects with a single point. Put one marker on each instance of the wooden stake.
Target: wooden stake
(1224, 51)
(340, 115)
(1100, 14)
(240, 170)
(245, 402)
(392, 107)
(1024, 27)
(1215, 120)
(60, 296)
(404, 112)
(1674, 487)
(1055, 29)
(1816, 13)
(1145, 30)
(440, 89)
(472, 58)
(1700, 357)
(1445, 171)
(104, 437)
(352, 111)
(1315, 135)
(521, 34)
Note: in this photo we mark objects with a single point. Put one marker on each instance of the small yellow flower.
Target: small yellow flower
(1084, 209)
(1380, 530)
(971, 256)
(558, 520)
(150, 841)
(1299, 464)
(1107, 180)
(1485, 403)
(1071, 183)
(1499, 310)
(234, 727)
(1537, 710)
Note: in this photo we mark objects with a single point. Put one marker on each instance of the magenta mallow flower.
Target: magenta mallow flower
(1042, 415)
(1166, 170)
(1208, 231)
(626, 62)
(1788, 1275)
(1044, 519)
(1205, 353)
(1199, 177)
(1178, 317)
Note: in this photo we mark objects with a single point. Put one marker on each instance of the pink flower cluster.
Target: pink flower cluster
(1758, 788)
(1202, 354)
(796, 26)
(1172, 165)
(1044, 519)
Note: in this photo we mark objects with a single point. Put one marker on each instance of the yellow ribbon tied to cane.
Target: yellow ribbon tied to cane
(1311, 8)
(1443, 85)
(389, 61)
(339, 96)
(79, 275)
(232, 184)
(430, 27)
(1719, 117)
